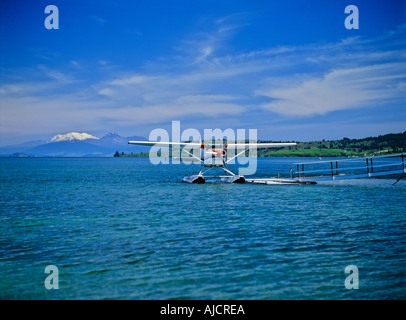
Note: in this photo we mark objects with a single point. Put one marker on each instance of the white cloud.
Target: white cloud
(339, 89)
(54, 74)
(186, 106)
(76, 64)
(136, 79)
(39, 115)
(106, 92)
(205, 52)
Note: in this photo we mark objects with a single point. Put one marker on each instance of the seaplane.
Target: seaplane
(213, 156)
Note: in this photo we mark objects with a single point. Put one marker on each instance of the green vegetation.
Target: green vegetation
(312, 152)
(381, 145)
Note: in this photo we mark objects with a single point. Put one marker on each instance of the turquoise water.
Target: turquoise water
(122, 228)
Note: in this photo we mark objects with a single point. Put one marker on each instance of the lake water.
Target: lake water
(122, 228)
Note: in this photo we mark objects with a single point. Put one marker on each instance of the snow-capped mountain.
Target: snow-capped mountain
(74, 144)
(72, 136)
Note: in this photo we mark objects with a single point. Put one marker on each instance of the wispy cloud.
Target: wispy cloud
(133, 80)
(54, 74)
(98, 19)
(339, 89)
(205, 46)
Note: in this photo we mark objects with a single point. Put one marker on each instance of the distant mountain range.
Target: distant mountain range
(74, 144)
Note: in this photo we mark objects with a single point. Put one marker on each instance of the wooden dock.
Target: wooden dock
(352, 168)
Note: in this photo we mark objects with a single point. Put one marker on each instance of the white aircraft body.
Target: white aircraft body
(212, 157)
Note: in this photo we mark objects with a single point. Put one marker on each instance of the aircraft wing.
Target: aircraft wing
(261, 145)
(200, 145)
(165, 144)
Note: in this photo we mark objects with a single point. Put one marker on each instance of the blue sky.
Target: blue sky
(287, 68)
